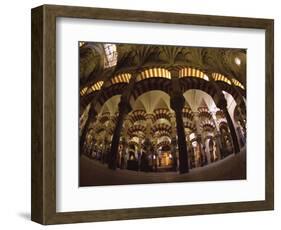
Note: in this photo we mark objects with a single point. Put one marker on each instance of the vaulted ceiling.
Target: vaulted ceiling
(226, 61)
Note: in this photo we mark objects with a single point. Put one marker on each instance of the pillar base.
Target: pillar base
(185, 170)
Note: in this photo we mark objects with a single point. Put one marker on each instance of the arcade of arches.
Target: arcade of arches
(161, 109)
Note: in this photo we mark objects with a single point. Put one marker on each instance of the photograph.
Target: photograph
(143, 114)
(153, 113)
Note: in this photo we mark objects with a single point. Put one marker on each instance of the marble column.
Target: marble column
(174, 143)
(223, 106)
(149, 122)
(218, 144)
(177, 103)
(124, 109)
(92, 116)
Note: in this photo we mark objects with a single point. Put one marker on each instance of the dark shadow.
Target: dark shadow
(24, 215)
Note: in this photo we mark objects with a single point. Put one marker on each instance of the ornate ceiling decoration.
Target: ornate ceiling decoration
(230, 63)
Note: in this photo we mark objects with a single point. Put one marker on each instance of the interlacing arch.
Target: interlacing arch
(189, 125)
(220, 117)
(121, 78)
(139, 135)
(132, 142)
(113, 118)
(223, 124)
(162, 84)
(237, 83)
(230, 85)
(94, 87)
(109, 92)
(104, 117)
(163, 133)
(163, 143)
(137, 115)
(199, 84)
(220, 114)
(162, 113)
(204, 113)
(136, 129)
(221, 77)
(155, 109)
(154, 73)
(83, 91)
(161, 127)
(159, 79)
(187, 113)
(207, 125)
(192, 72)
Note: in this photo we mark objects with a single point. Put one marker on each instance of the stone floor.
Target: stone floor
(93, 173)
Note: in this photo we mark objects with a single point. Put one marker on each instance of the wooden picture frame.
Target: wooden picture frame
(43, 208)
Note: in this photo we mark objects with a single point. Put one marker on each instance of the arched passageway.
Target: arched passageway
(161, 115)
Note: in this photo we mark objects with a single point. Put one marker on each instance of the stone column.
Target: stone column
(197, 122)
(177, 103)
(149, 122)
(92, 116)
(218, 143)
(124, 109)
(223, 106)
(174, 143)
(199, 136)
(202, 152)
(242, 116)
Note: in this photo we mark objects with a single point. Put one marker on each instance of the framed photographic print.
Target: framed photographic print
(139, 114)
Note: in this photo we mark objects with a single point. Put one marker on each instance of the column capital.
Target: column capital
(174, 72)
(210, 75)
(134, 76)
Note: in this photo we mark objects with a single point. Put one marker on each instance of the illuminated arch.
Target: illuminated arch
(237, 83)
(199, 99)
(109, 92)
(162, 113)
(220, 77)
(163, 133)
(105, 116)
(137, 115)
(191, 72)
(187, 113)
(95, 87)
(154, 72)
(161, 127)
(83, 91)
(207, 125)
(160, 84)
(189, 83)
(109, 104)
(121, 78)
